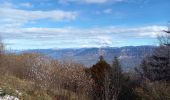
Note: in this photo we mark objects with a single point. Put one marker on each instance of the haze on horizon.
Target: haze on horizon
(43, 24)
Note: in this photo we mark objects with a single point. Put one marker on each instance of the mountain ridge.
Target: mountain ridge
(129, 56)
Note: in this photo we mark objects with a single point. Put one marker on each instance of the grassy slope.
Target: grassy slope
(26, 90)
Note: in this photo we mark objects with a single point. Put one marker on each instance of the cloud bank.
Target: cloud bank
(15, 17)
(76, 37)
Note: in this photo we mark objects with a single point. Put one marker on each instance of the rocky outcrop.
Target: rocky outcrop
(4, 96)
(8, 97)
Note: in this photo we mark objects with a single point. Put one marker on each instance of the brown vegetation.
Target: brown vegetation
(61, 80)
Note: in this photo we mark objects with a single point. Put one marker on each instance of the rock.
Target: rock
(8, 97)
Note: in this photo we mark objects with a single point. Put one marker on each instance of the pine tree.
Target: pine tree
(98, 70)
(98, 73)
(157, 66)
(116, 77)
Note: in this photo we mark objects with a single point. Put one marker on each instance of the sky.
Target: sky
(44, 24)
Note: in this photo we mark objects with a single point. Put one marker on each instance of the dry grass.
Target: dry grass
(41, 78)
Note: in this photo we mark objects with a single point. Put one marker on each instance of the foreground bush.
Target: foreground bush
(62, 80)
(154, 91)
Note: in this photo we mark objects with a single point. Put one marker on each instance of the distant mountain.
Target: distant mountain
(129, 56)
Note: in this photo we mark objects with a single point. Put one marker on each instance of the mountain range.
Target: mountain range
(129, 56)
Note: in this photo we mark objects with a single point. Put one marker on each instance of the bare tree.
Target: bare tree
(1, 47)
(1, 54)
(164, 39)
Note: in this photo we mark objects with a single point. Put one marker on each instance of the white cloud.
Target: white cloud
(7, 4)
(112, 14)
(104, 40)
(11, 16)
(95, 1)
(146, 31)
(69, 36)
(26, 4)
(107, 11)
(91, 1)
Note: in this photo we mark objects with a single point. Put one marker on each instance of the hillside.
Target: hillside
(129, 57)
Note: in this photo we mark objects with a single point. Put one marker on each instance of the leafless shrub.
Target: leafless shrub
(153, 90)
(49, 74)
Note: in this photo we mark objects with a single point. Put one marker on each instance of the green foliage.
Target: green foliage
(98, 73)
(7, 91)
(157, 66)
(98, 70)
(129, 85)
(107, 79)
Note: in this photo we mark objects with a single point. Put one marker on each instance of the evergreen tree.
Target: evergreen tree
(116, 77)
(108, 79)
(157, 66)
(98, 72)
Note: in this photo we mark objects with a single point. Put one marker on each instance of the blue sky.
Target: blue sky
(42, 24)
